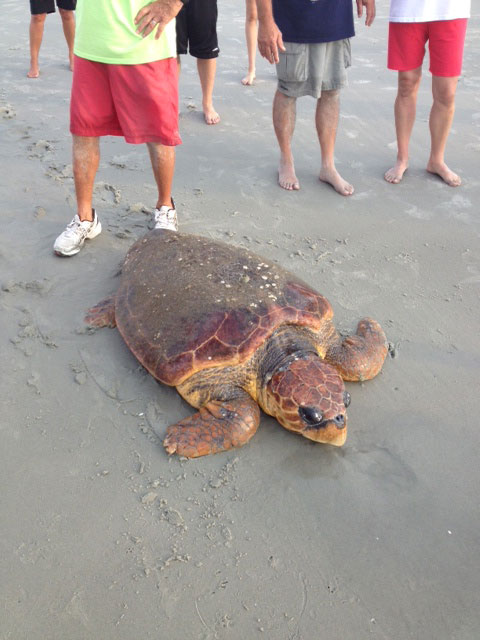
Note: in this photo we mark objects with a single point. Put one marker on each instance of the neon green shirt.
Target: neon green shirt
(105, 32)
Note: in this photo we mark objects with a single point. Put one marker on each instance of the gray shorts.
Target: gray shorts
(309, 69)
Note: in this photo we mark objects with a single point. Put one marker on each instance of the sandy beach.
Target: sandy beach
(104, 536)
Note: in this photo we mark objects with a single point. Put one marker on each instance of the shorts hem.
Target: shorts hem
(446, 75)
(204, 56)
(439, 75)
(330, 86)
(94, 133)
(144, 139)
(408, 68)
(137, 139)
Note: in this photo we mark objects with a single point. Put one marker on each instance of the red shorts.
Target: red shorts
(406, 46)
(136, 101)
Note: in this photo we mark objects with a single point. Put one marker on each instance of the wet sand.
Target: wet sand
(104, 536)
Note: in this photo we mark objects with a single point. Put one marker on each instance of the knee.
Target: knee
(445, 97)
(332, 95)
(38, 18)
(66, 15)
(408, 86)
(283, 100)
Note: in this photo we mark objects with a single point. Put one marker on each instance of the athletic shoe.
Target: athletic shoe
(71, 240)
(165, 217)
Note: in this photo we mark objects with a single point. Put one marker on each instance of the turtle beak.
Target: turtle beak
(328, 432)
(332, 430)
(339, 437)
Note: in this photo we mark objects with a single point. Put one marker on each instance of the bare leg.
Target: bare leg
(284, 114)
(86, 157)
(441, 117)
(37, 24)
(251, 31)
(68, 23)
(326, 120)
(163, 165)
(405, 110)
(206, 71)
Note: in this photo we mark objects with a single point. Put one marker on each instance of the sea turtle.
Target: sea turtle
(232, 331)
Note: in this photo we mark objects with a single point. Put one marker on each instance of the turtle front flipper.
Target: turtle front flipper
(102, 314)
(218, 426)
(361, 356)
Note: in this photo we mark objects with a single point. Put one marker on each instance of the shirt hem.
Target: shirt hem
(119, 60)
(287, 38)
(434, 19)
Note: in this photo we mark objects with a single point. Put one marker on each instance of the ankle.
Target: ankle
(328, 166)
(436, 161)
(166, 202)
(286, 158)
(86, 215)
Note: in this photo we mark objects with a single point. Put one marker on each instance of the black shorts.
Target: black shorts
(197, 29)
(48, 6)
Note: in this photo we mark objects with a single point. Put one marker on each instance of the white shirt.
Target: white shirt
(428, 10)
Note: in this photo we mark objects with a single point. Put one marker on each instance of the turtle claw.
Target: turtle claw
(170, 448)
(218, 426)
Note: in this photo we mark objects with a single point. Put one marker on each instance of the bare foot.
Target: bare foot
(446, 174)
(33, 73)
(211, 116)
(332, 177)
(395, 174)
(249, 78)
(286, 176)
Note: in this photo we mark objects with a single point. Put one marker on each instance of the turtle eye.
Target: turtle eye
(310, 415)
(346, 398)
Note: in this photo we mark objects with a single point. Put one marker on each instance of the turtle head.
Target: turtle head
(307, 395)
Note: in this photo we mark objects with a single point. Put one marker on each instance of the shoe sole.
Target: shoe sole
(167, 228)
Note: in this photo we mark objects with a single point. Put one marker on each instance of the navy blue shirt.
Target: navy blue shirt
(308, 21)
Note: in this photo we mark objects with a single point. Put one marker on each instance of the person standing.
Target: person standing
(39, 10)
(443, 24)
(125, 83)
(251, 34)
(196, 26)
(309, 40)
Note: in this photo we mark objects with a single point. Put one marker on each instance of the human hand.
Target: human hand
(269, 40)
(370, 10)
(156, 15)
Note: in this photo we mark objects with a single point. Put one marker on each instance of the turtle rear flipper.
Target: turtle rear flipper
(102, 314)
(218, 426)
(361, 356)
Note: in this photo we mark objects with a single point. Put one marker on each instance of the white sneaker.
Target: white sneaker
(165, 217)
(71, 240)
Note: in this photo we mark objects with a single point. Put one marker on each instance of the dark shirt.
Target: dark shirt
(308, 21)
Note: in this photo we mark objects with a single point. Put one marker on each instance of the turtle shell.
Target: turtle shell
(186, 303)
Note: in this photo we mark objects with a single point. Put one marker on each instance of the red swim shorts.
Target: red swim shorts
(406, 46)
(136, 101)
